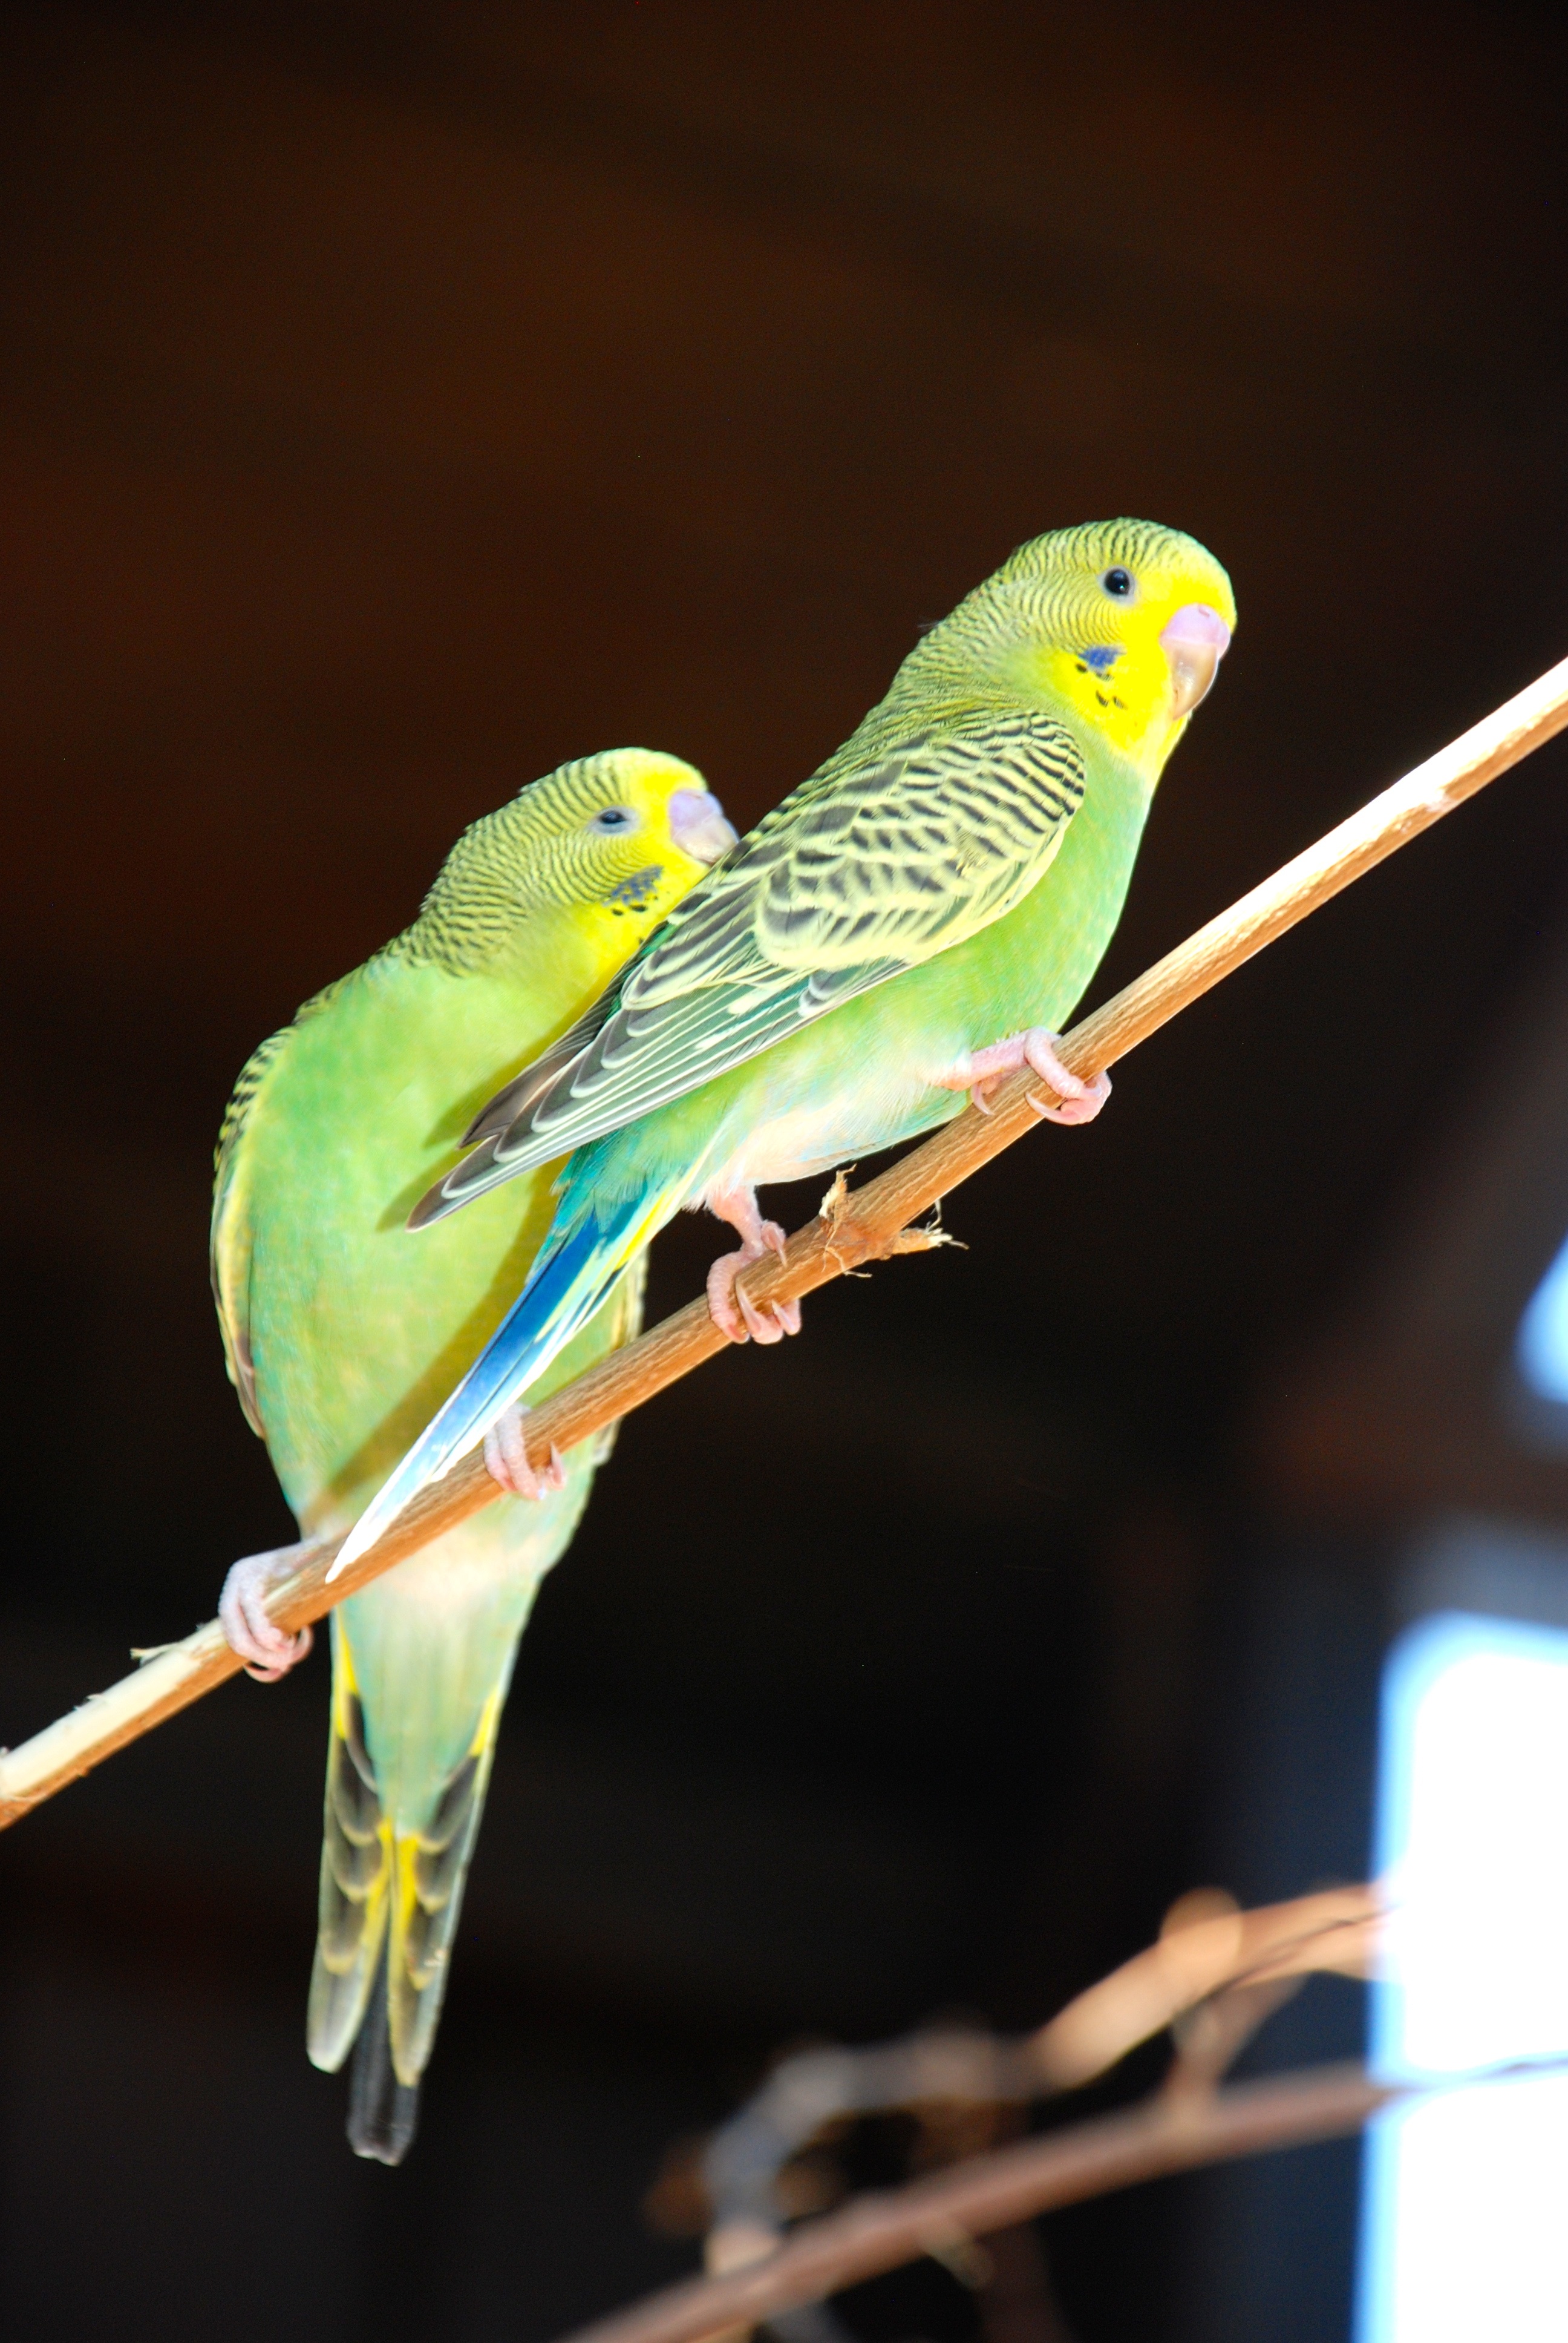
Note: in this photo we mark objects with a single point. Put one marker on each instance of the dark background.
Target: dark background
(397, 399)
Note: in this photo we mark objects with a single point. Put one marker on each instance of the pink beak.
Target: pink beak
(1194, 639)
(698, 825)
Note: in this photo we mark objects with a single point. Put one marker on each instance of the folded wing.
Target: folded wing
(851, 881)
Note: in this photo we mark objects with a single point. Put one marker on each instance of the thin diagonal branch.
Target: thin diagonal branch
(864, 1225)
(878, 2231)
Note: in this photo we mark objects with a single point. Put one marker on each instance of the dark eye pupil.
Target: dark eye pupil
(612, 819)
(1117, 581)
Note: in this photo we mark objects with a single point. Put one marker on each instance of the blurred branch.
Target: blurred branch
(1213, 1977)
(1215, 1974)
(945, 2211)
(853, 1227)
(1205, 1950)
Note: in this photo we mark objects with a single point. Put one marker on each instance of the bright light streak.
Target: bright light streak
(1465, 2221)
(1542, 1345)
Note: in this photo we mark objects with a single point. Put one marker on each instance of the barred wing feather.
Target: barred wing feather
(851, 881)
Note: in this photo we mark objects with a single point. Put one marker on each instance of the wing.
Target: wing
(851, 881)
(521, 1092)
(230, 1249)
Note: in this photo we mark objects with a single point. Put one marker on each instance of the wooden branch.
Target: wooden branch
(1215, 1976)
(1171, 2131)
(1201, 1953)
(870, 1224)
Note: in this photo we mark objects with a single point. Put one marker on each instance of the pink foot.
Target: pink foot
(731, 1312)
(1075, 1100)
(506, 1459)
(268, 1651)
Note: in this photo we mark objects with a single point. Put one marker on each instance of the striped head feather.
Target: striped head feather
(625, 833)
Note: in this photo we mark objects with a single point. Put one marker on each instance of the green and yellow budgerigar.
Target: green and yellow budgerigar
(917, 919)
(344, 1334)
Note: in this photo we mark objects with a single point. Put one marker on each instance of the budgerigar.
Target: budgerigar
(914, 920)
(344, 1334)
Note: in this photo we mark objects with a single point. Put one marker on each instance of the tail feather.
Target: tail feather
(390, 1900)
(383, 2111)
(355, 1873)
(577, 1266)
(432, 1869)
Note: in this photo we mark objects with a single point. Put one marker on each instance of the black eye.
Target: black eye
(1118, 583)
(614, 818)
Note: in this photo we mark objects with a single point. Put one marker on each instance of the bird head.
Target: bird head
(628, 832)
(612, 842)
(1124, 620)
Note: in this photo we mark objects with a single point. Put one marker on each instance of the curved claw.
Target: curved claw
(268, 1651)
(1073, 1100)
(734, 1313)
(768, 1322)
(1074, 1111)
(508, 1461)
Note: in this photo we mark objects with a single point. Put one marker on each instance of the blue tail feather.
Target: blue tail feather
(577, 1266)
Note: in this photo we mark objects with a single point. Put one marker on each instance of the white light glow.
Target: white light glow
(1465, 2228)
(1542, 1347)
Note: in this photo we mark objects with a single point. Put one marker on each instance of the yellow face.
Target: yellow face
(623, 836)
(1129, 624)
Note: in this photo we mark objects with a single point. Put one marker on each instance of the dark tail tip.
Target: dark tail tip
(383, 2112)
